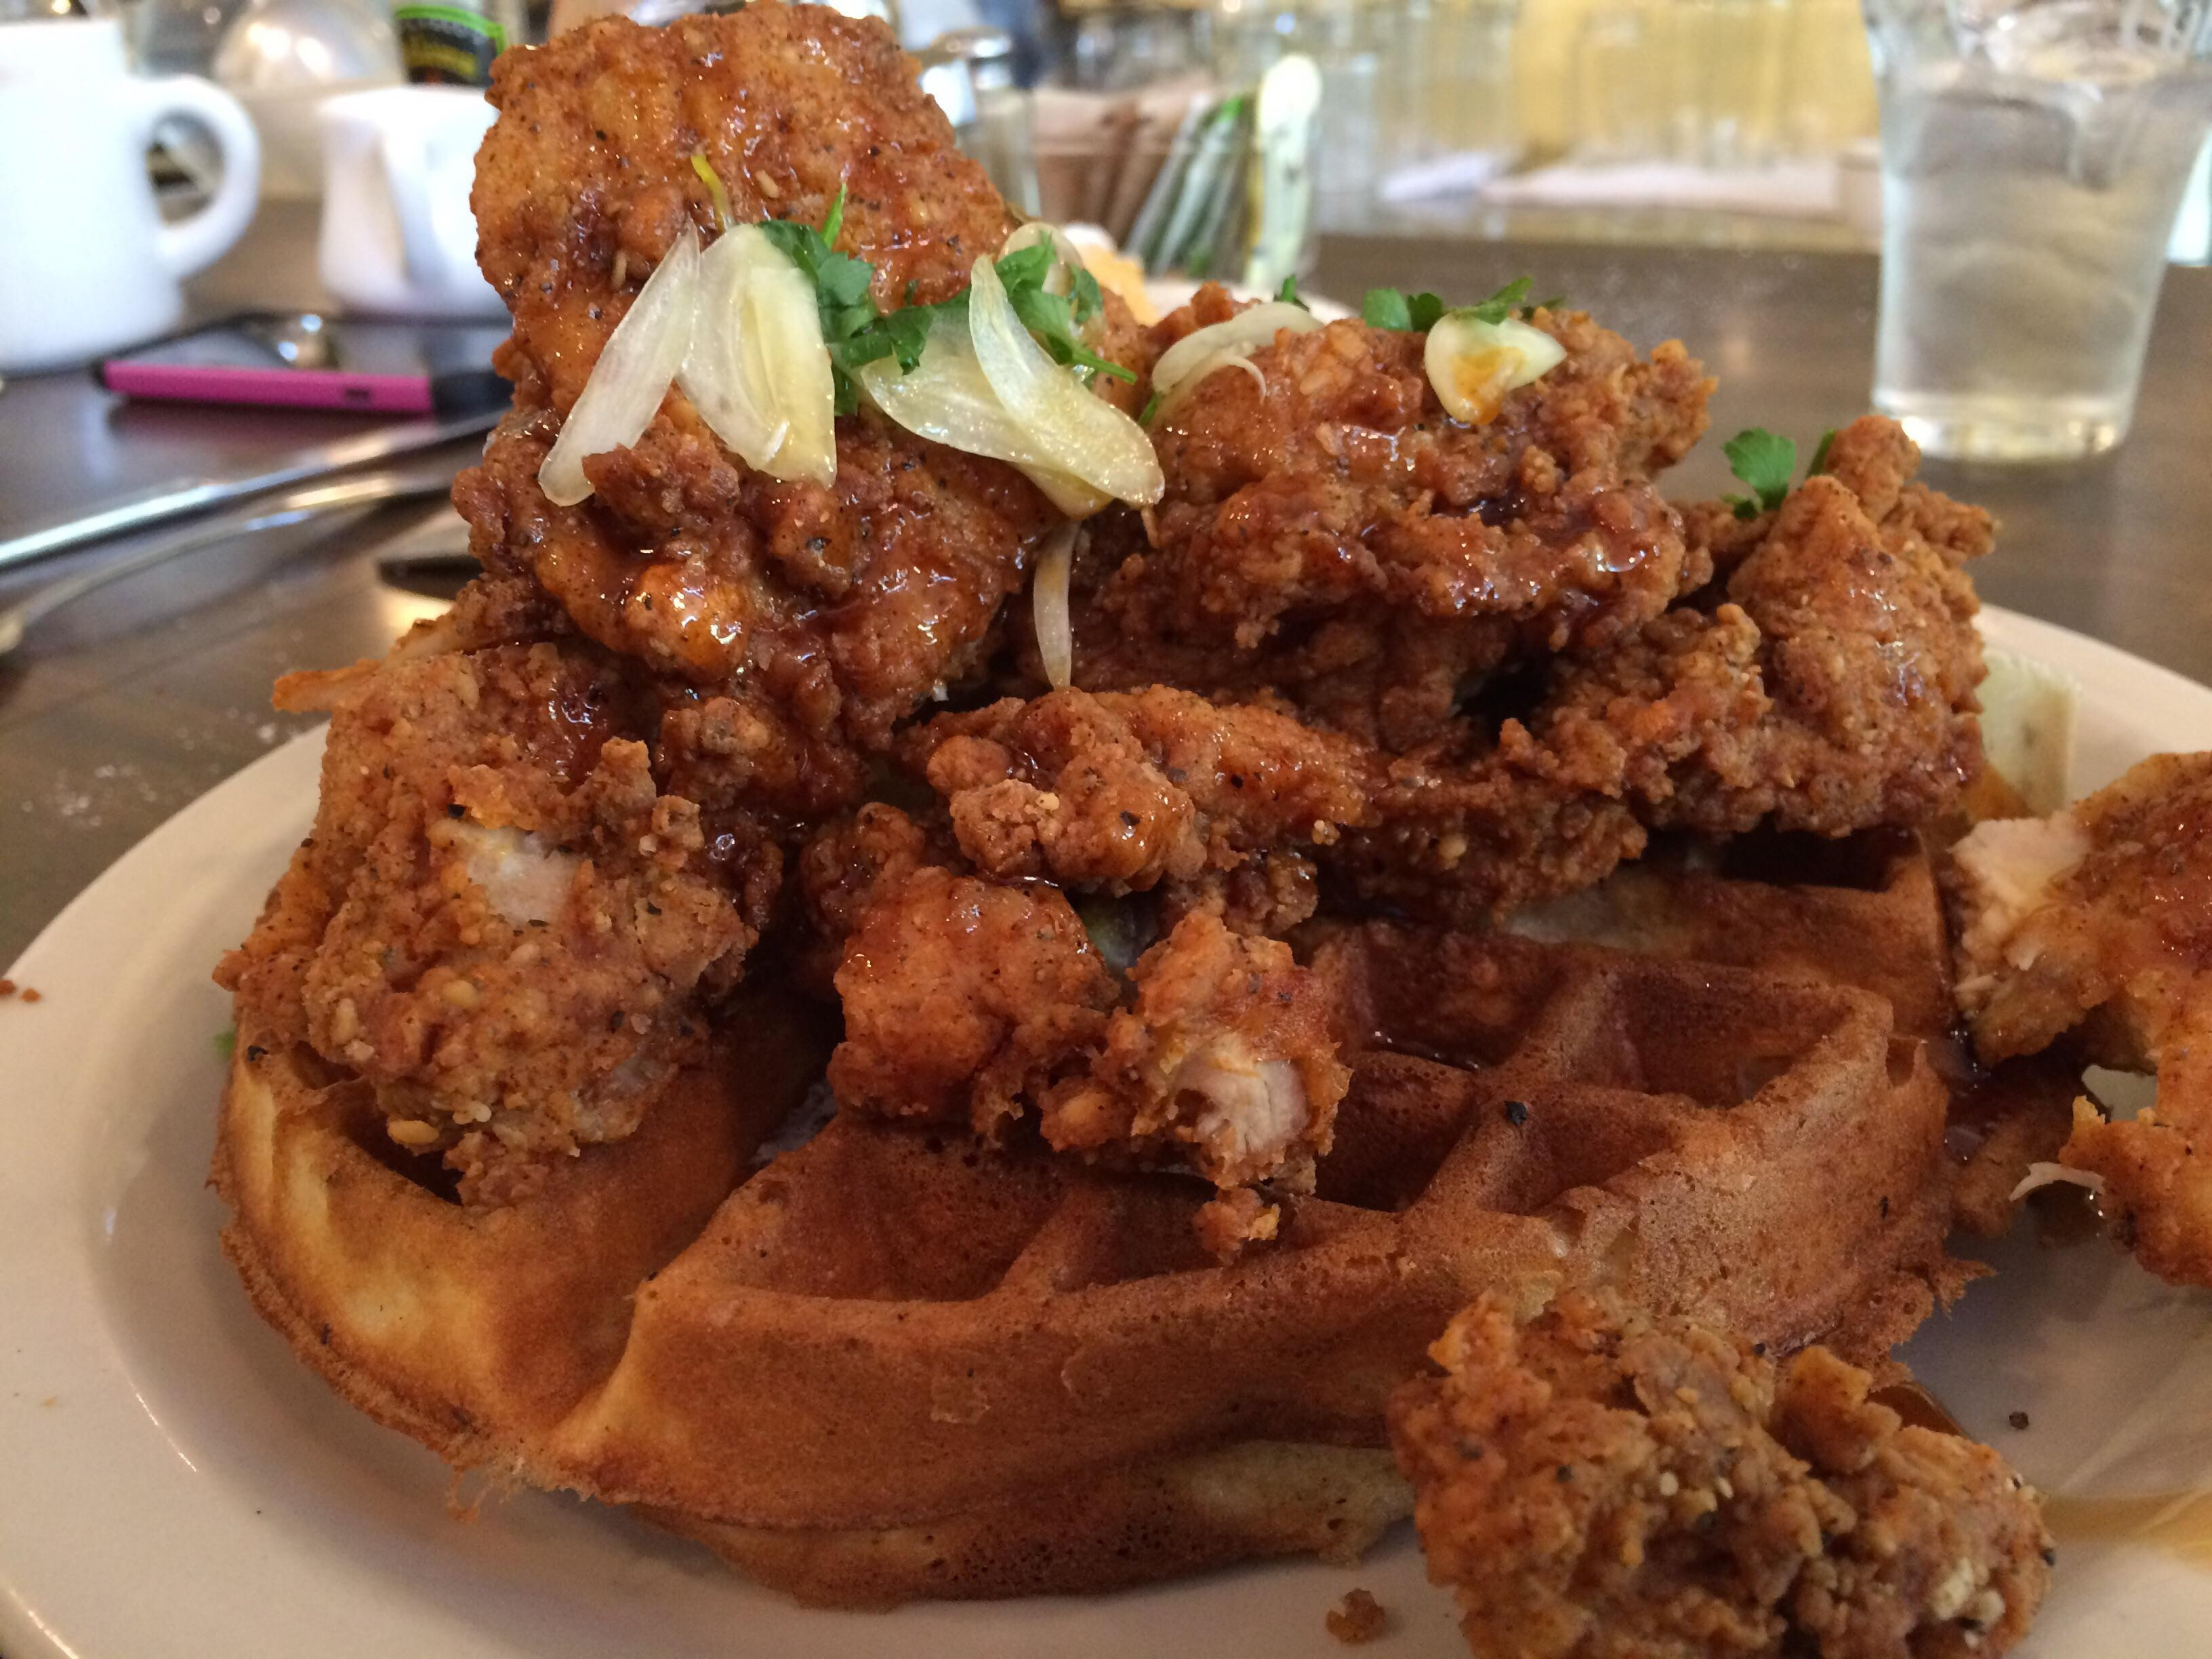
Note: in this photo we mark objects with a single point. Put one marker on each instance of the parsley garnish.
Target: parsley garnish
(1499, 306)
(1053, 318)
(857, 333)
(1288, 294)
(1391, 307)
(1765, 462)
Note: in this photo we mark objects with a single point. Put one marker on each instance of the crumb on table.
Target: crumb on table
(1357, 1618)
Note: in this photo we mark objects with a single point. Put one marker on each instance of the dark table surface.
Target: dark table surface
(124, 707)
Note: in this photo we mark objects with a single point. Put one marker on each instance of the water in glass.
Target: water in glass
(2034, 156)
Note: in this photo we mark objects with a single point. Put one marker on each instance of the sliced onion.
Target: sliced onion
(946, 400)
(2041, 1176)
(632, 375)
(1241, 336)
(1473, 364)
(758, 370)
(1055, 629)
(1228, 357)
(1079, 433)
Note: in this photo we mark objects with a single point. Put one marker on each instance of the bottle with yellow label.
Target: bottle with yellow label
(453, 42)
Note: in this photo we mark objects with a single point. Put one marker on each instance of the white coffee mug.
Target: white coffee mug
(86, 264)
(398, 239)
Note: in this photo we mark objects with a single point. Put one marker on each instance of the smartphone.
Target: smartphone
(304, 360)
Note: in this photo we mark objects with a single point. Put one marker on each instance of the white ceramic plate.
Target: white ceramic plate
(173, 1483)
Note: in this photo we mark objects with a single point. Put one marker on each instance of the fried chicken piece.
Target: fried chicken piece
(1830, 689)
(2098, 921)
(1867, 650)
(1127, 792)
(1226, 1059)
(830, 613)
(1358, 1618)
(501, 921)
(970, 1002)
(591, 162)
(966, 1001)
(1337, 537)
(1594, 1483)
(821, 614)
(844, 867)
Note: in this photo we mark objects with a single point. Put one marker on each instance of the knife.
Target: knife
(174, 500)
(368, 490)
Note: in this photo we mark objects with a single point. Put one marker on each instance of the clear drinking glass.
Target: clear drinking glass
(2034, 154)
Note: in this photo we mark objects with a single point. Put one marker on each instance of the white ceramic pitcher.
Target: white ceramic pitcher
(86, 264)
(398, 239)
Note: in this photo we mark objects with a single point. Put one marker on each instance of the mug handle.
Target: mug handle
(192, 243)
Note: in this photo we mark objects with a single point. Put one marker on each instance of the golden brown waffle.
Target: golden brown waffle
(892, 1364)
(1864, 911)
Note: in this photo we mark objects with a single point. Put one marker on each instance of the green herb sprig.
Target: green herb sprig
(1391, 307)
(857, 332)
(1766, 462)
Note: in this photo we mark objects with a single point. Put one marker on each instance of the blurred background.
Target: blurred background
(1712, 121)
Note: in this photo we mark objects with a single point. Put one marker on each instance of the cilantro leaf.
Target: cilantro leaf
(1385, 307)
(1028, 266)
(1499, 306)
(1820, 453)
(856, 333)
(1151, 408)
(901, 334)
(1053, 318)
(1391, 307)
(1552, 304)
(1090, 300)
(1765, 462)
(1288, 294)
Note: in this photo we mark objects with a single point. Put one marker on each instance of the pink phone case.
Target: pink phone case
(298, 388)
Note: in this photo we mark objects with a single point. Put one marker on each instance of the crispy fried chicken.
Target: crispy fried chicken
(2098, 921)
(965, 1000)
(1337, 538)
(823, 616)
(1127, 792)
(1829, 687)
(972, 1002)
(501, 921)
(1594, 1483)
(1824, 684)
